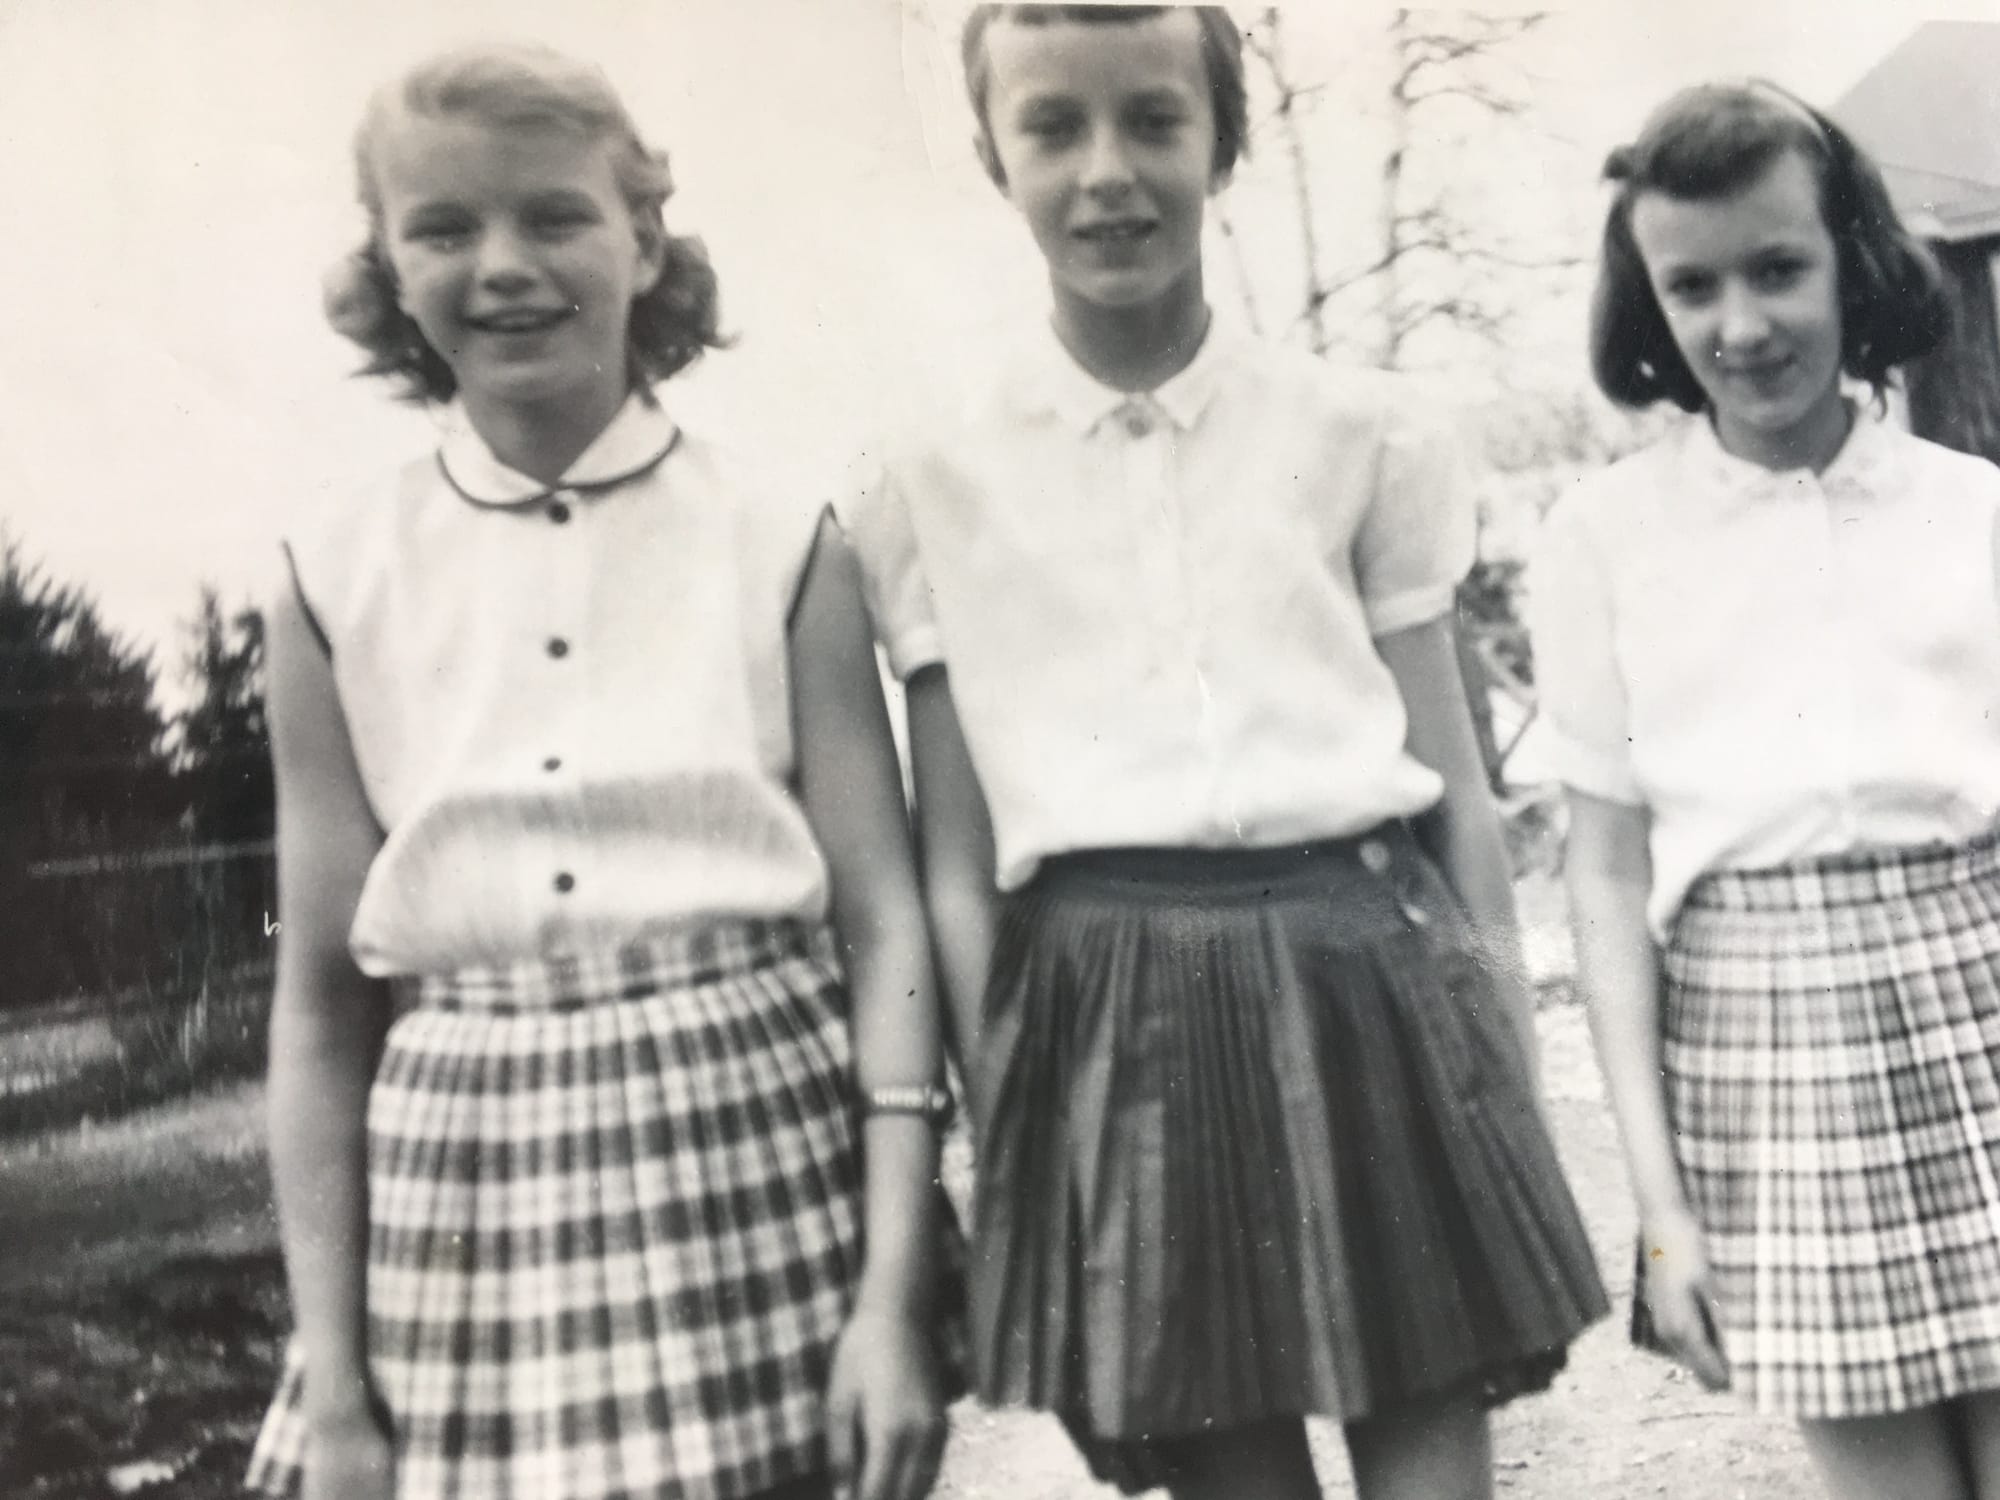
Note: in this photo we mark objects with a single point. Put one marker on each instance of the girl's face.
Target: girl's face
(517, 257)
(1103, 136)
(1750, 288)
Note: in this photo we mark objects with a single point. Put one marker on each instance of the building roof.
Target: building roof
(1929, 113)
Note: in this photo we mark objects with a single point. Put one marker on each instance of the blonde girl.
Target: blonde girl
(602, 955)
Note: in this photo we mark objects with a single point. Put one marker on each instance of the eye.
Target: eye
(560, 222)
(1779, 272)
(1050, 127)
(558, 217)
(1158, 124)
(439, 232)
(1687, 288)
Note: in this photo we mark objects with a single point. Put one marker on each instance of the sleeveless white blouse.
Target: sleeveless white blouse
(570, 706)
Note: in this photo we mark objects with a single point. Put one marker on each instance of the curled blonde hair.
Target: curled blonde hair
(523, 87)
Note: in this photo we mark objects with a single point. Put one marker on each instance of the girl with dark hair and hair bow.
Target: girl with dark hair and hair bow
(1770, 647)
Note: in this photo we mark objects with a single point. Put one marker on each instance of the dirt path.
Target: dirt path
(87, 1222)
(1618, 1422)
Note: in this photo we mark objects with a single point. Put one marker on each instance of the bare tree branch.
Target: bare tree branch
(1439, 60)
(1244, 288)
(1266, 40)
(1490, 100)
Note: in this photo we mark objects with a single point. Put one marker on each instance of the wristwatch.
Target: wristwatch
(925, 1099)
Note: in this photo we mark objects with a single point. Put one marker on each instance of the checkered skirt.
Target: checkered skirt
(1832, 1050)
(614, 1216)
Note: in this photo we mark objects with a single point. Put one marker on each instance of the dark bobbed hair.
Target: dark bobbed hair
(1221, 56)
(520, 87)
(1713, 140)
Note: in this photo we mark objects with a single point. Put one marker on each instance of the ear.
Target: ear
(652, 260)
(982, 143)
(375, 256)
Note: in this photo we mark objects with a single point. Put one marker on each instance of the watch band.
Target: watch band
(924, 1099)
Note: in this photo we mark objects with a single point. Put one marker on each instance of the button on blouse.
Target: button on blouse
(1776, 665)
(1157, 610)
(627, 631)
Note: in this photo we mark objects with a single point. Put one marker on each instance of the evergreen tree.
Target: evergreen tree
(223, 747)
(83, 769)
(223, 742)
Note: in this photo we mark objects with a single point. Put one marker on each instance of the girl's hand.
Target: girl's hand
(885, 1421)
(348, 1458)
(1677, 1296)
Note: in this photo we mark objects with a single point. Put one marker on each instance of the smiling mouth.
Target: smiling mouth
(1761, 372)
(1115, 231)
(522, 320)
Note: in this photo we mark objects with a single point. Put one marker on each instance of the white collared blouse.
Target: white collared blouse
(569, 704)
(1776, 665)
(1158, 611)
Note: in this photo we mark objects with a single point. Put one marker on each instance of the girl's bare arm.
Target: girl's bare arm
(1609, 870)
(1610, 874)
(327, 1019)
(852, 789)
(956, 840)
(1464, 831)
(887, 1419)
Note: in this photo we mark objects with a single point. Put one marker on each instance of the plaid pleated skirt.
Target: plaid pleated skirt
(1831, 1036)
(1257, 1141)
(614, 1224)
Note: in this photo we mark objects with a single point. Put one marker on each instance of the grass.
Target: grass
(163, 1378)
(106, 1201)
(142, 1302)
(160, 1052)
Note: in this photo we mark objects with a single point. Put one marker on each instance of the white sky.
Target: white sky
(175, 178)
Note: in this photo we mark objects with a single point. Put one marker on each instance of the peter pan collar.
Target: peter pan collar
(1046, 380)
(639, 436)
(1869, 463)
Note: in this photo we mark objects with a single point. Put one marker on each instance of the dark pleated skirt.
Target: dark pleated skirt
(1258, 1141)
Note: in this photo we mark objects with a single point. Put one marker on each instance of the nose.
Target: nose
(504, 263)
(1743, 319)
(1107, 168)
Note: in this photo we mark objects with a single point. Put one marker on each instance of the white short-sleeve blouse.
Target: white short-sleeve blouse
(569, 705)
(1776, 665)
(1158, 611)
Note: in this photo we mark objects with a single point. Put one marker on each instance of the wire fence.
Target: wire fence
(152, 970)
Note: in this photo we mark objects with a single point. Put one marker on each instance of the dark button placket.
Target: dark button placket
(560, 693)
